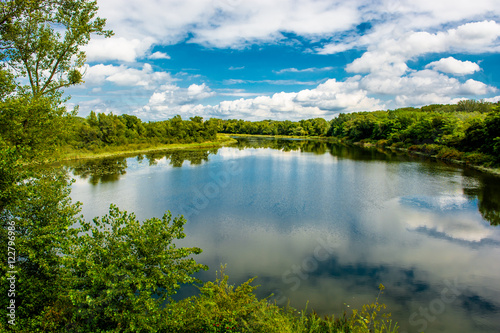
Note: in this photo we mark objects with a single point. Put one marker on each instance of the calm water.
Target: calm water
(326, 224)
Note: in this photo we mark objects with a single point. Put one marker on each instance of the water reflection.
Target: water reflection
(321, 147)
(486, 190)
(177, 157)
(110, 169)
(100, 170)
(476, 186)
(327, 223)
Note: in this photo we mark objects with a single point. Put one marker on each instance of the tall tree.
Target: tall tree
(41, 41)
(40, 54)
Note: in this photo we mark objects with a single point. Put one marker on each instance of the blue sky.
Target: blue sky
(289, 59)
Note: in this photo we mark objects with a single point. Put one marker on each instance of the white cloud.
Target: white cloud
(265, 21)
(382, 62)
(305, 70)
(219, 23)
(198, 92)
(159, 55)
(324, 101)
(273, 82)
(122, 75)
(338, 96)
(423, 87)
(400, 31)
(236, 93)
(493, 99)
(451, 65)
(235, 23)
(238, 23)
(117, 48)
(96, 75)
(170, 100)
(391, 55)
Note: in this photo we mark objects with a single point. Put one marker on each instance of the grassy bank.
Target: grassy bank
(474, 160)
(280, 136)
(68, 153)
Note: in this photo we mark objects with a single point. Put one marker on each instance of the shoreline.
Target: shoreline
(464, 164)
(75, 155)
(224, 139)
(367, 145)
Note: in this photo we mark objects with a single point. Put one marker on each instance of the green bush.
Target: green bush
(477, 158)
(222, 307)
(450, 153)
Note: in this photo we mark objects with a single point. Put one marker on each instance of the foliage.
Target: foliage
(31, 125)
(222, 307)
(123, 270)
(467, 131)
(41, 41)
(309, 127)
(39, 211)
(101, 130)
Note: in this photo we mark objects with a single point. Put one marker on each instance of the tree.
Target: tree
(40, 214)
(42, 40)
(125, 270)
(40, 44)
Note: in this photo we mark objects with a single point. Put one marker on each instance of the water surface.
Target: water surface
(325, 223)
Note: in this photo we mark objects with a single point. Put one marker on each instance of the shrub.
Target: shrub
(476, 158)
(450, 153)
(222, 307)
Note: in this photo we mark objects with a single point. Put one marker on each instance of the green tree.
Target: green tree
(40, 44)
(40, 214)
(125, 270)
(42, 41)
(31, 125)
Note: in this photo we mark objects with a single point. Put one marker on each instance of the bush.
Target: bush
(450, 153)
(222, 307)
(124, 270)
(476, 158)
(382, 143)
(431, 149)
(398, 145)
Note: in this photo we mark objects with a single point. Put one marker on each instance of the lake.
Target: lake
(325, 223)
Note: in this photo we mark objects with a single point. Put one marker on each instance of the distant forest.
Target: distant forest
(100, 130)
(468, 131)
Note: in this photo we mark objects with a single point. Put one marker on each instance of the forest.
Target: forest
(100, 130)
(468, 131)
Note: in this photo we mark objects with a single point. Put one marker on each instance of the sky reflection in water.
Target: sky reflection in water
(326, 223)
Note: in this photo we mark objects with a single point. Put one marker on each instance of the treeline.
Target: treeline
(100, 130)
(309, 127)
(468, 130)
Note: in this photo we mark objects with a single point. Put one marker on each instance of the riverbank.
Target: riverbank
(223, 139)
(278, 136)
(433, 154)
(413, 150)
(69, 154)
